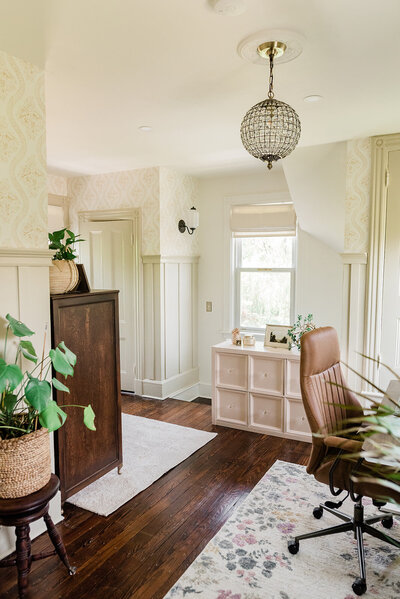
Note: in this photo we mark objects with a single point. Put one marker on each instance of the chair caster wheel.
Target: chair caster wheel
(72, 570)
(293, 547)
(359, 586)
(317, 512)
(387, 522)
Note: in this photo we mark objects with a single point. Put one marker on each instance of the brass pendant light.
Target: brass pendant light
(271, 129)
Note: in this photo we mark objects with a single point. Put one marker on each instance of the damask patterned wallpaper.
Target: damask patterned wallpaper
(357, 204)
(178, 193)
(127, 189)
(57, 185)
(161, 193)
(23, 177)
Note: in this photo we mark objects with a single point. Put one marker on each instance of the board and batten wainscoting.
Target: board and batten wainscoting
(170, 362)
(24, 275)
(258, 389)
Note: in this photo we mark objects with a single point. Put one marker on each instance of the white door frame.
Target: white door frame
(135, 216)
(381, 146)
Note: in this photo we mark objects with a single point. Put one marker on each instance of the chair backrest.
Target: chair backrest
(326, 403)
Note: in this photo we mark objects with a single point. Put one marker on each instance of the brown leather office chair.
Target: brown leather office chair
(327, 407)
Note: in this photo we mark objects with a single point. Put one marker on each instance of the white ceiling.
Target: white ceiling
(113, 65)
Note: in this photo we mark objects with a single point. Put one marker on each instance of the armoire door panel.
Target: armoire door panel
(88, 324)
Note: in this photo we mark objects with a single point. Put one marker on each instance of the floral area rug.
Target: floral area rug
(248, 558)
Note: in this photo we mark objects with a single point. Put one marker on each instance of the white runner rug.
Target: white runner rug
(150, 448)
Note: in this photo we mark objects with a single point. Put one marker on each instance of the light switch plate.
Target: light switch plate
(208, 306)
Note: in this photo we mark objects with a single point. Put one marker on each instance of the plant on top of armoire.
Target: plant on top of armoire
(64, 275)
(27, 411)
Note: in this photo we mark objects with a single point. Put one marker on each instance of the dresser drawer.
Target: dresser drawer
(231, 370)
(265, 412)
(296, 419)
(231, 406)
(266, 375)
(293, 378)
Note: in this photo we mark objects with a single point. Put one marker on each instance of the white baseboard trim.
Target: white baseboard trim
(205, 390)
(188, 394)
(169, 387)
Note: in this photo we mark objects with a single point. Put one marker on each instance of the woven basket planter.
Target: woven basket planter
(25, 464)
(64, 276)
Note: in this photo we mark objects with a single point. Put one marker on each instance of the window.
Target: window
(264, 280)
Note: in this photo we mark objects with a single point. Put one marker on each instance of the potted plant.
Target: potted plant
(301, 326)
(28, 413)
(64, 274)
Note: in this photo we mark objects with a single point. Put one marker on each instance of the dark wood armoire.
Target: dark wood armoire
(88, 324)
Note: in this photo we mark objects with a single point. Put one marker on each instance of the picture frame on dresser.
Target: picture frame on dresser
(276, 335)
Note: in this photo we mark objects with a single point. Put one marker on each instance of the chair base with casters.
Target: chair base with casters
(359, 525)
(20, 513)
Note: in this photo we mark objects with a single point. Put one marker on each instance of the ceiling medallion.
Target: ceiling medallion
(271, 129)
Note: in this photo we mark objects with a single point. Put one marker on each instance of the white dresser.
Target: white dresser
(258, 389)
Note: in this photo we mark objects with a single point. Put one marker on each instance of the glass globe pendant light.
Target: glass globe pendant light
(271, 129)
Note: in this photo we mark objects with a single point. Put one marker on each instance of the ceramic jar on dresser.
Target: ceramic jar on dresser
(258, 389)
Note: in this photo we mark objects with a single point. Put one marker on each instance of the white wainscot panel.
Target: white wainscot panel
(266, 412)
(232, 406)
(171, 320)
(231, 370)
(185, 317)
(148, 292)
(266, 375)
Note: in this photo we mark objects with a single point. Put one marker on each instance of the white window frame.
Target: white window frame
(240, 269)
(228, 320)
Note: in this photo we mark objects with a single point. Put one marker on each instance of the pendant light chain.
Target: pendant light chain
(271, 76)
(271, 129)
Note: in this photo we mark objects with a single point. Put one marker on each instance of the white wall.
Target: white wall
(319, 281)
(319, 276)
(316, 177)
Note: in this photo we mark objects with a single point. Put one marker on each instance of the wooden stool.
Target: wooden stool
(20, 513)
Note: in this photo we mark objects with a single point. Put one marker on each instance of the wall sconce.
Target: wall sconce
(192, 221)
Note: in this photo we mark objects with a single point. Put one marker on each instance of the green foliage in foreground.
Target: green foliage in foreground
(26, 402)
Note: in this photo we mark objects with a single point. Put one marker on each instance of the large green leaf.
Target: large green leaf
(28, 351)
(57, 235)
(38, 394)
(9, 401)
(88, 417)
(60, 362)
(71, 357)
(18, 328)
(58, 385)
(10, 376)
(53, 417)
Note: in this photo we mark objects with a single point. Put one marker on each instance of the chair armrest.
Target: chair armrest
(349, 445)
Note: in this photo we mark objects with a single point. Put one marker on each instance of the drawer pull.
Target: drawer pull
(230, 370)
(230, 405)
(265, 375)
(266, 412)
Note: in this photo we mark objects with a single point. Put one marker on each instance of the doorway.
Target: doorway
(390, 340)
(110, 257)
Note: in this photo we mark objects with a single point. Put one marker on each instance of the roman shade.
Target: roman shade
(263, 219)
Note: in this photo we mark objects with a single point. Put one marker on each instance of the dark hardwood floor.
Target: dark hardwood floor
(145, 546)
